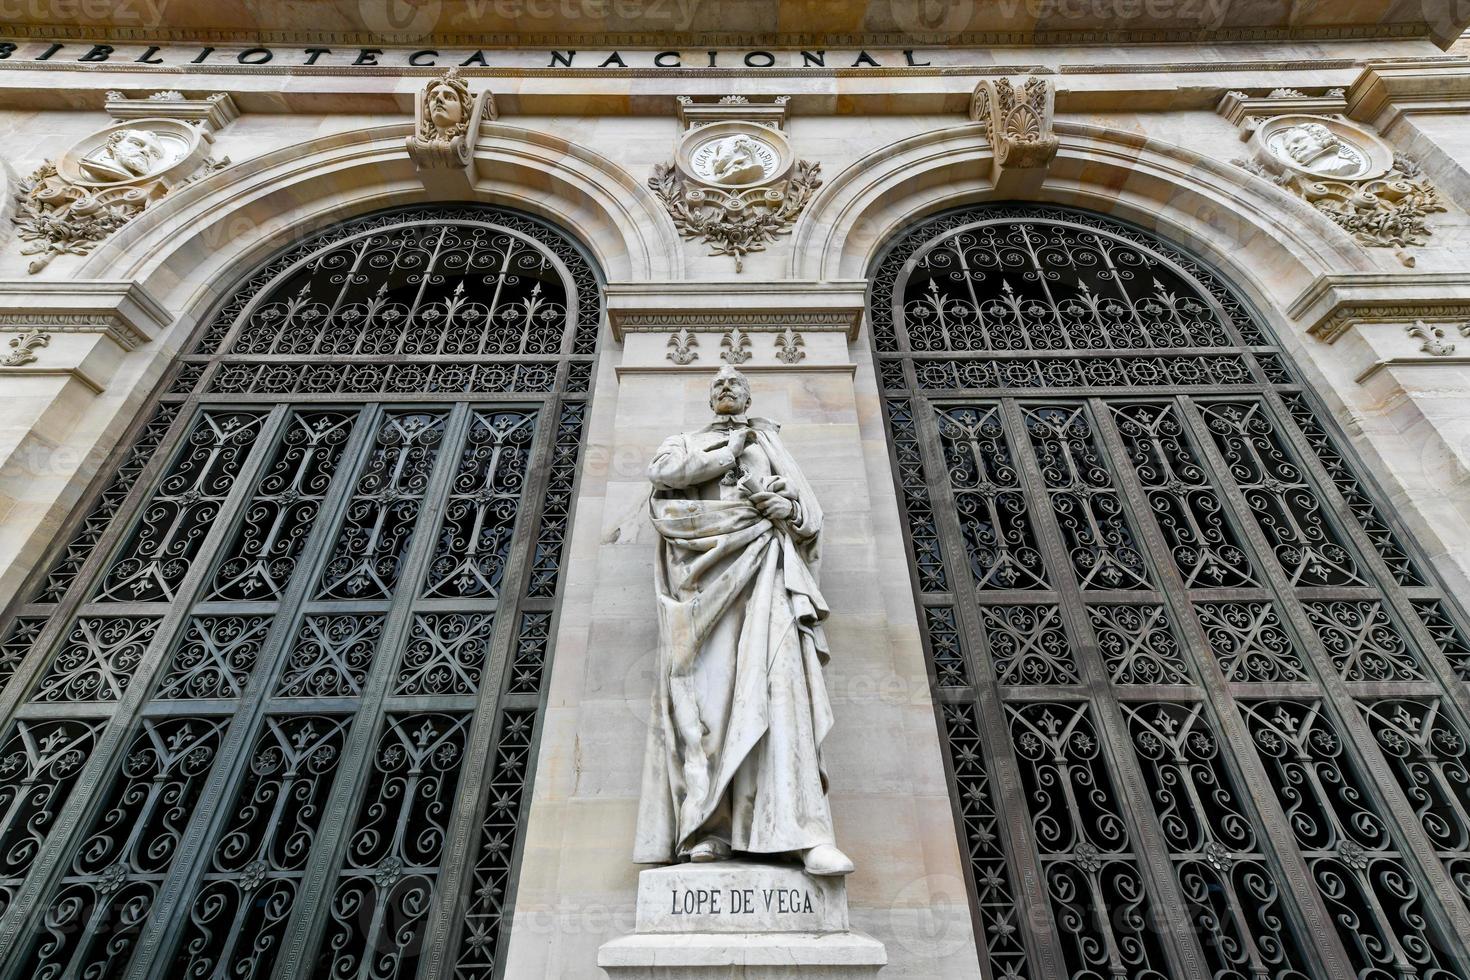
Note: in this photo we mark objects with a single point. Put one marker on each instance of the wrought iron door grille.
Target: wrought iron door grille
(271, 707)
(1204, 701)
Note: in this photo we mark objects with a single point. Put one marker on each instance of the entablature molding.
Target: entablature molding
(1334, 304)
(1385, 92)
(122, 311)
(716, 307)
(938, 88)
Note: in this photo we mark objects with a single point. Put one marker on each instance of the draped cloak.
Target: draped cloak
(740, 709)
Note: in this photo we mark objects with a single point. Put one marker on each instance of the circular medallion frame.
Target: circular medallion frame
(734, 156)
(1322, 148)
(179, 146)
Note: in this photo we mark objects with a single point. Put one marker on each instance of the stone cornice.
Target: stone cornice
(867, 23)
(1335, 303)
(714, 307)
(1385, 92)
(124, 312)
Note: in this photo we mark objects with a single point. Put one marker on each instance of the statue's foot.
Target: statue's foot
(825, 859)
(709, 849)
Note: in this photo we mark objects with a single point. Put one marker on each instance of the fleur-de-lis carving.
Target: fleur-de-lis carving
(789, 346)
(735, 346)
(1433, 337)
(682, 346)
(23, 347)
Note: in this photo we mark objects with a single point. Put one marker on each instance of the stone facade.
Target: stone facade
(1361, 271)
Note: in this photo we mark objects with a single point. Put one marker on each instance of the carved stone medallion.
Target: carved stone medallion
(734, 155)
(134, 152)
(104, 181)
(1349, 174)
(734, 184)
(1322, 147)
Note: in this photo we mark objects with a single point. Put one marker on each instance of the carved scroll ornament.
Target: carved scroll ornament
(735, 185)
(69, 205)
(1017, 120)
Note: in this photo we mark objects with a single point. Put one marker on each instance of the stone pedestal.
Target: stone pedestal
(739, 920)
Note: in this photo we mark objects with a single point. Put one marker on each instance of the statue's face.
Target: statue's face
(444, 108)
(135, 151)
(1307, 143)
(729, 395)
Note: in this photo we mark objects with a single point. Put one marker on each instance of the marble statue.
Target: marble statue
(734, 761)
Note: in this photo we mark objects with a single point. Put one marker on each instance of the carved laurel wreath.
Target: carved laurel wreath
(735, 223)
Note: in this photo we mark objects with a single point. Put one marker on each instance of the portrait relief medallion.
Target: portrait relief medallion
(134, 151)
(738, 159)
(735, 156)
(1324, 148)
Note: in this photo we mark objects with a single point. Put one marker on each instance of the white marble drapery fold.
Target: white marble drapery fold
(740, 709)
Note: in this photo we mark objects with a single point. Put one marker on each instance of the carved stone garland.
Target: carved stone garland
(735, 184)
(1350, 175)
(71, 204)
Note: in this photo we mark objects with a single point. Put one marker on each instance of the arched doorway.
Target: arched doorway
(273, 704)
(1203, 699)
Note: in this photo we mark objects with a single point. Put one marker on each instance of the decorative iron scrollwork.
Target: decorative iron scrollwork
(1230, 890)
(474, 537)
(387, 886)
(215, 658)
(254, 873)
(99, 517)
(183, 508)
(989, 499)
(1151, 506)
(1284, 503)
(368, 556)
(104, 899)
(1097, 891)
(1376, 901)
(40, 762)
(1080, 489)
(262, 558)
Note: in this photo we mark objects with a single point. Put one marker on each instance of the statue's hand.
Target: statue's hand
(778, 485)
(772, 506)
(739, 439)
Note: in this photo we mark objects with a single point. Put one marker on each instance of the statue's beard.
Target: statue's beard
(136, 163)
(728, 406)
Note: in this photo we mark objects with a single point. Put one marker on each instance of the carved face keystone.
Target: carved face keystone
(445, 110)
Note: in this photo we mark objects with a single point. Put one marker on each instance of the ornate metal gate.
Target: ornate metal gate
(1203, 700)
(271, 709)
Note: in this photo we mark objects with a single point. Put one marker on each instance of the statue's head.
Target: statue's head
(138, 150)
(729, 393)
(1307, 142)
(445, 108)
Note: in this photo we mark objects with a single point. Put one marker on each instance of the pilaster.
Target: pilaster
(63, 347)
